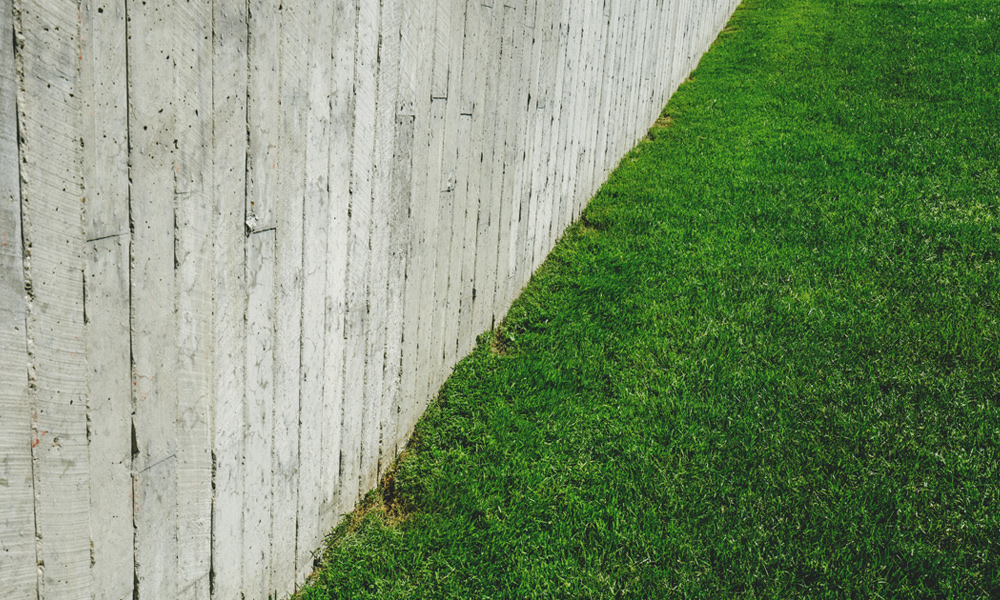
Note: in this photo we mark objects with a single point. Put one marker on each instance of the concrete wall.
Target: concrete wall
(244, 242)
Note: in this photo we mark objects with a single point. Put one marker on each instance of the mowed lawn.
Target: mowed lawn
(764, 364)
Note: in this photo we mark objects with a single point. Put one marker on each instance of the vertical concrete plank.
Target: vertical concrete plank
(293, 96)
(105, 116)
(259, 413)
(700, 26)
(595, 164)
(358, 253)
(264, 139)
(640, 77)
(657, 63)
(412, 42)
(622, 133)
(568, 121)
(705, 23)
(635, 76)
(713, 14)
(654, 65)
(381, 63)
(478, 25)
(528, 97)
(632, 59)
(453, 189)
(424, 211)
(647, 72)
(535, 137)
(464, 241)
(592, 41)
(665, 66)
(361, 440)
(547, 105)
(691, 36)
(51, 127)
(620, 19)
(609, 115)
(592, 176)
(430, 231)
(683, 49)
(454, 178)
(343, 31)
(599, 50)
(470, 140)
(107, 277)
(561, 133)
(193, 267)
(677, 43)
(653, 36)
(663, 74)
(263, 110)
(469, 77)
(508, 106)
(494, 159)
(682, 33)
(708, 17)
(637, 110)
(106, 228)
(497, 102)
(384, 203)
(572, 108)
(441, 49)
(507, 151)
(694, 21)
(583, 111)
(399, 242)
(553, 103)
(586, 113)
(229, 159)
(694, 27)
(315, 242)
(153, 296)
(438, 202)
(615, 126)
(676, 7)
(17, 511)
(488, 54)
(540, 143)
(664, 62)
(525, 106)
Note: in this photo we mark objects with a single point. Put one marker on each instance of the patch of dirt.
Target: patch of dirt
(391, 503)
(663, 122)
(499, 343)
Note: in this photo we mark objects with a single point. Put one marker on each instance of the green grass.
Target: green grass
(765, 362)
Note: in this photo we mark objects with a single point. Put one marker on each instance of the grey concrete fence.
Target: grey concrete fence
(244, 242)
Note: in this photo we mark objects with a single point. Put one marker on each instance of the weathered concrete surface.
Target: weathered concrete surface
(18, 561)
(242, 244)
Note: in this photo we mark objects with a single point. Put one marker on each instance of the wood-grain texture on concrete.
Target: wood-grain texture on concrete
(243, 243)
(49, 115)
(18, 561)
